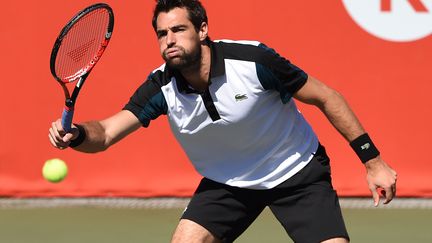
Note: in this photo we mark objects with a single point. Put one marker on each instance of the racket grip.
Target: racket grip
(67, 118)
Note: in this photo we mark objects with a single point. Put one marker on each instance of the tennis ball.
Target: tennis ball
(54, 170)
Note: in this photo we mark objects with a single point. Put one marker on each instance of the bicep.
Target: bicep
(120, 125)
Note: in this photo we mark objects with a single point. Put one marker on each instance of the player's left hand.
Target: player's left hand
(381, 177)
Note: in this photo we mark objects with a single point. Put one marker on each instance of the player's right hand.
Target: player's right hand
(58, 137)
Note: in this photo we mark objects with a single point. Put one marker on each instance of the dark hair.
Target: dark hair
(197, 13)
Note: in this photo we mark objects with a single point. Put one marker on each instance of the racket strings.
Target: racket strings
(81, 45)
(78, 54)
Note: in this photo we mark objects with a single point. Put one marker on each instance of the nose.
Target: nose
(170, 39)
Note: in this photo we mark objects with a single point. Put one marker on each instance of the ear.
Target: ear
(203, 32)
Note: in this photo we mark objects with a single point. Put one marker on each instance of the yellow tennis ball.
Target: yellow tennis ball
(54, 170)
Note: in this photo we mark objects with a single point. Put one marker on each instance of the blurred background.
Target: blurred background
(377, 53)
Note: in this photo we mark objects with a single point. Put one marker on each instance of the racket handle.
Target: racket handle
(67, 118)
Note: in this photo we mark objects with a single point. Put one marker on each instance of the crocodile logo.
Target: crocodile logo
(240, 97)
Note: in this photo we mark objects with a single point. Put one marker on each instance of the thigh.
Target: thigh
(310, 211)
(312, 216)
(190, 232)
(224, 211)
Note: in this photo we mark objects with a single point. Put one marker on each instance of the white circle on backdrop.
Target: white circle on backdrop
(400, 23)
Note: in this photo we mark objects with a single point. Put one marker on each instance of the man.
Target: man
(230, 105)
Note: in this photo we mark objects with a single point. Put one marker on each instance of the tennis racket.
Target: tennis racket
(76, 51)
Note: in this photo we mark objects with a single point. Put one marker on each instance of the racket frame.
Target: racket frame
(82, 74)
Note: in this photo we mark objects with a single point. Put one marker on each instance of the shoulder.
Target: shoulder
(159, 76)
(154, 82)
(247, 50)
(239, 45)
(239, 42)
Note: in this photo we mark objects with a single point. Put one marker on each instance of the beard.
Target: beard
(186, 60)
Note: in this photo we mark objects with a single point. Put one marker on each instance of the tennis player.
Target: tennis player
(232, 107)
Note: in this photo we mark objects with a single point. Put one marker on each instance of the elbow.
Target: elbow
(330, 98)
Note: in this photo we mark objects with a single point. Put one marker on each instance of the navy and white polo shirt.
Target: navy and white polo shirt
(245, 129)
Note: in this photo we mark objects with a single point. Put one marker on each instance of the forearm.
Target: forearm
(341, 116)
(100, 135)
(95, 139)
(94, 136)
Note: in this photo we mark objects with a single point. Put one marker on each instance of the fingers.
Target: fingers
(388, 193)
(375, 196)
(381, 180)
(58, 137)
(67, 137)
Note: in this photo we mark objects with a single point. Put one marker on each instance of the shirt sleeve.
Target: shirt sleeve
(277, 73)
(148, 102)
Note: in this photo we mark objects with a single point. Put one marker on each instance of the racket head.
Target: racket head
(77, 49)
(81, 43)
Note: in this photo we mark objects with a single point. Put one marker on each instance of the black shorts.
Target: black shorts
(306, 205)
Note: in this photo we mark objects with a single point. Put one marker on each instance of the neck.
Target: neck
(198, 75)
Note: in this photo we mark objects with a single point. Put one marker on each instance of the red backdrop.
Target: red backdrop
(387, 83)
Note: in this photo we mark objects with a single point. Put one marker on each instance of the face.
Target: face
(179, 42)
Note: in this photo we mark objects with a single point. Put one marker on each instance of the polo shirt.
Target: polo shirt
(245, 129)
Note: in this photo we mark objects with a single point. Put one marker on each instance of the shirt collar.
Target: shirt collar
(217, 68)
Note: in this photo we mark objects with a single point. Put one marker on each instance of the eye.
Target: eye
(161, 34)
(178, 29)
